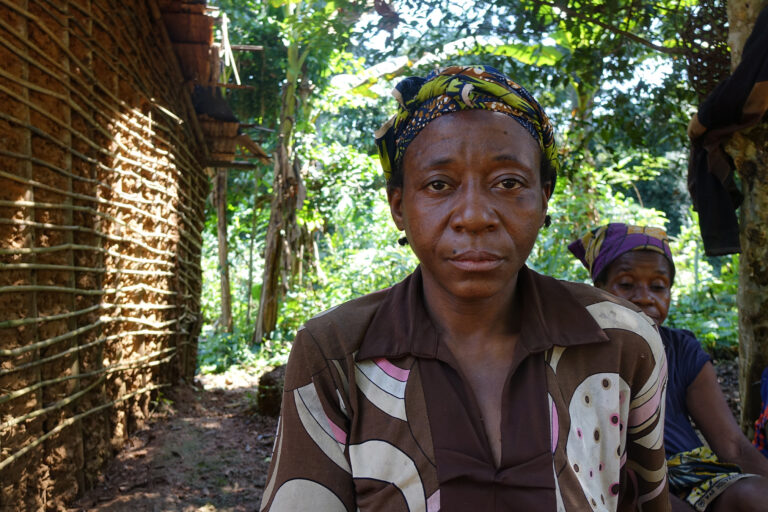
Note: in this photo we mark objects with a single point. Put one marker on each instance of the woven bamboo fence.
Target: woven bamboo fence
(101, 212)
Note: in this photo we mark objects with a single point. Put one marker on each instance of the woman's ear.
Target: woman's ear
(547, 188)
(546, 193)
(395, 198)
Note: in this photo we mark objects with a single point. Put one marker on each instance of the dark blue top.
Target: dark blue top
(685, 359)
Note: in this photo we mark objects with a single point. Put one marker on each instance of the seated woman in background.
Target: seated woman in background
(635, 263)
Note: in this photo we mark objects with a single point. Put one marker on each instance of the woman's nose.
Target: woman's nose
(473, 211)
(642, 294)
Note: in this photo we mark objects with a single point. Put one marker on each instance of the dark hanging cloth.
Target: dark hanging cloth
(736, 103)
(210, 102)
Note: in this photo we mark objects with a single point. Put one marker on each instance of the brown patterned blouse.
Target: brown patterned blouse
(376, 416)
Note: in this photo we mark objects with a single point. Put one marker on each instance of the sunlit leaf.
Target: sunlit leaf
(365, 90)
(527, 54)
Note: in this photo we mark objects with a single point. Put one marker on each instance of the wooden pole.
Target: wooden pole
(220, 198)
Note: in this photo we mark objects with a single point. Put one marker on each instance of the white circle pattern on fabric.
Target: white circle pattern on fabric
(305, 495)
(596, 440)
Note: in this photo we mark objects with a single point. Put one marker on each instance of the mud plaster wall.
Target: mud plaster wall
(101, 210)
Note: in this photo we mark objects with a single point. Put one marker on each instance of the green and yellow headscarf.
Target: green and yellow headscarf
(422, 100)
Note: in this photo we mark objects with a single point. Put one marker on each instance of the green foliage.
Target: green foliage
(356, 239)
(619, 106)
(704, 294)
(244, 223)
(574, 213)
(535, 55)
(255, 23)
(217, 351)
(160, 403)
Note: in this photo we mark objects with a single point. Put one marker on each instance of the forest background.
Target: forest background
(312, 228)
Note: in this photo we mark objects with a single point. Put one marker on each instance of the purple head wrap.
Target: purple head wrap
(601, 246)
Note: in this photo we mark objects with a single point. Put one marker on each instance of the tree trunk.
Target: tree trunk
(220, 198)
(251, 243)
(266, 319)
(750, 152)
(285, 191)
(753, 270)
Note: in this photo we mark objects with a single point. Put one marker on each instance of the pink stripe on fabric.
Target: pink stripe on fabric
(645, 411)
(555, 427)
(392, 370)
(623, 459)
(338, 433)
(433, 502)
(649, 496)
(633, 480)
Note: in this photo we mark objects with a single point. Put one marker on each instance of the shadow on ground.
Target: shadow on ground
(206, 449)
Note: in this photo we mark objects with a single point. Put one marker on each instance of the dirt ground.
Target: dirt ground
(728, 377)
(207, 449)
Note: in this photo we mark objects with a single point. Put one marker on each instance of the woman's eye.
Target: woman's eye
(509, 183)
(625, 286)
(437, 185)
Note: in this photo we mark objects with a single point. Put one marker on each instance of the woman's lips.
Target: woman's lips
(654, 316)
(476, 261)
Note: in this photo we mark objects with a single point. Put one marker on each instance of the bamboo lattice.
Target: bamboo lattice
(101, 210)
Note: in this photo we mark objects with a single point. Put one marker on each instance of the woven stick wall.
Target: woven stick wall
(101, 212)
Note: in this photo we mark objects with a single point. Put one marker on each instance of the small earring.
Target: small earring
(547, 221)
(402, 241)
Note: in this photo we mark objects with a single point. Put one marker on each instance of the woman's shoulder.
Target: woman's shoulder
(685, 346)
(604, 307)
(335, 334)
(341, 329)
(588, 295)
(623, 322)
(610, 312)
(627, 328)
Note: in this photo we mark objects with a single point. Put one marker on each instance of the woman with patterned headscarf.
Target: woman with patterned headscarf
(475, 383)
(635, 263)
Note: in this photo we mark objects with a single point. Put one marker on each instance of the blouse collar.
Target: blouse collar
(551, 317)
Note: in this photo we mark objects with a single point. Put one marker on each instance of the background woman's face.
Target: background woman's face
(645, 279)
(472, 202)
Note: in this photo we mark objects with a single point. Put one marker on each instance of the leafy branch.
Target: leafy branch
(607, 26)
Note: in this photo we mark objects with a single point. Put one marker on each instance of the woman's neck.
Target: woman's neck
(474, 318)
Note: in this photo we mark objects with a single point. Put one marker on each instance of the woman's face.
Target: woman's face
(472, 202)
(645, 279)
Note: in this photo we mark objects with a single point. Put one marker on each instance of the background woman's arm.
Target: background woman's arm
(710, 412)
